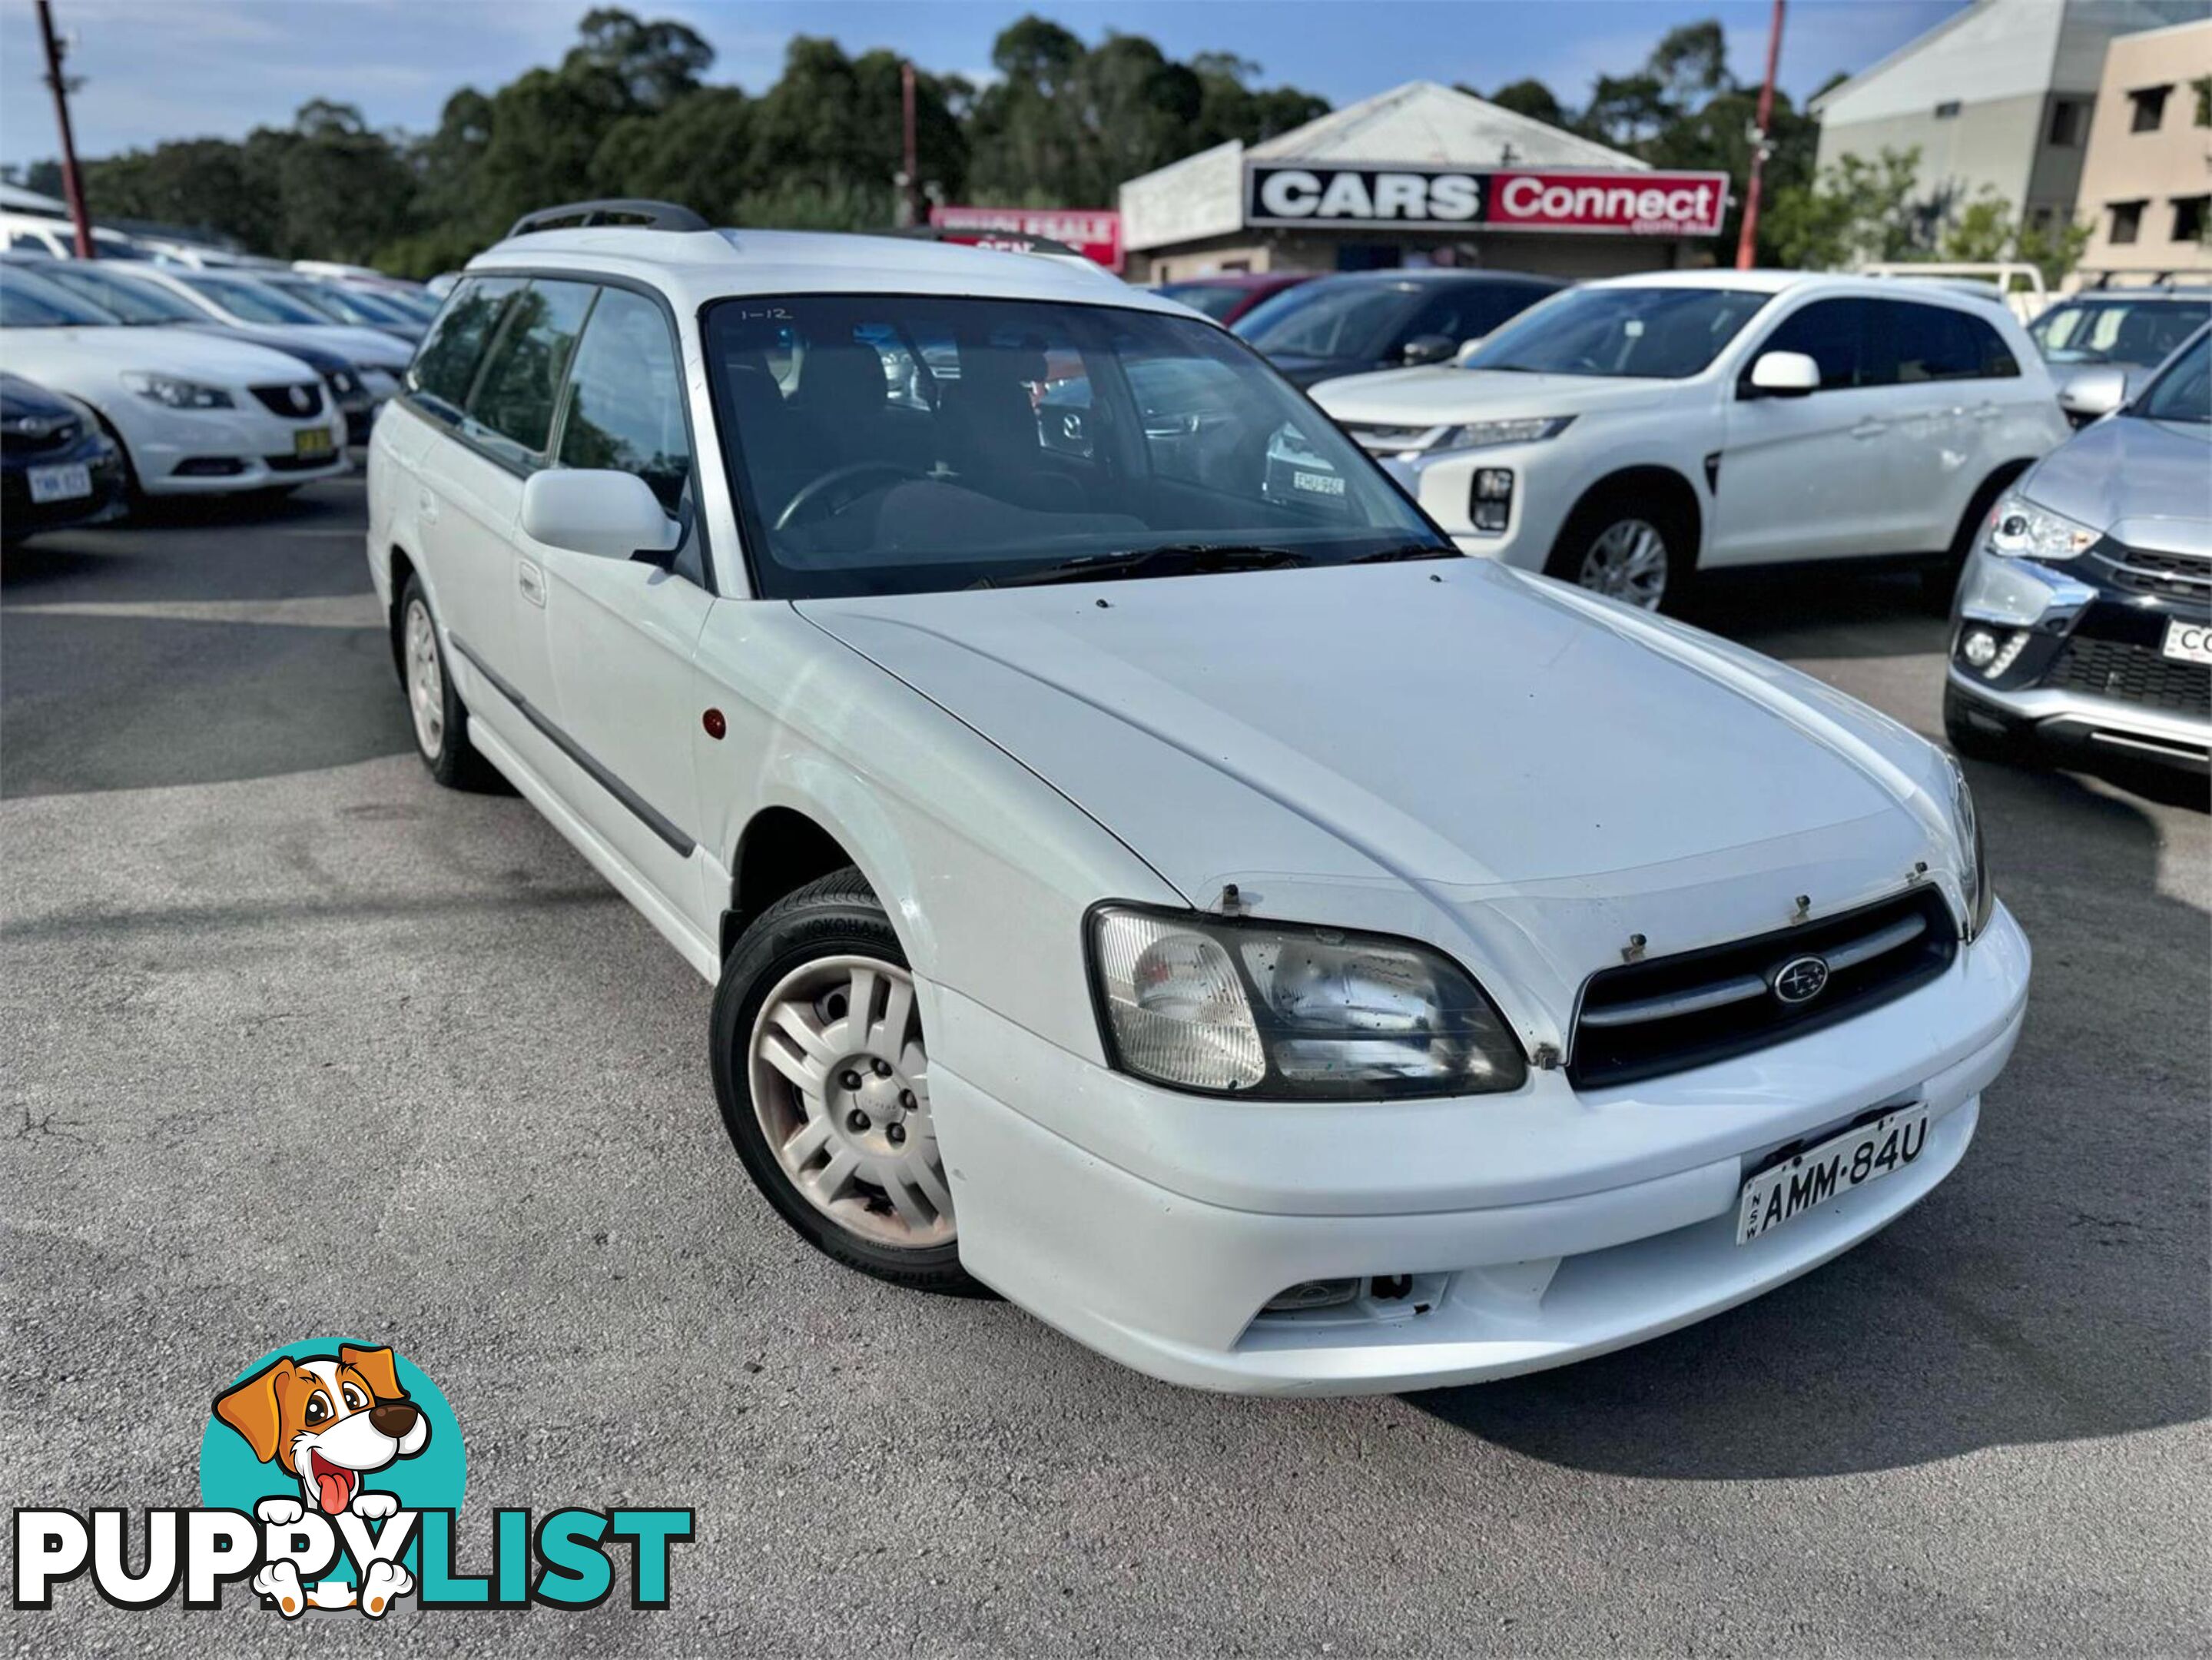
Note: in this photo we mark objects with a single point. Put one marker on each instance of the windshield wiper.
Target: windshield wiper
(1176, 559)
(1408, 550)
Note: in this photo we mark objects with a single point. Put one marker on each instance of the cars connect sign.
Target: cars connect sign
(1617, 203)
(1094, 233)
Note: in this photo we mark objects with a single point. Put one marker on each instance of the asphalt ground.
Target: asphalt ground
(295, 1043)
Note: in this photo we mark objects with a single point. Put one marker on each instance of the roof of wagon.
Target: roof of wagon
(693, 267)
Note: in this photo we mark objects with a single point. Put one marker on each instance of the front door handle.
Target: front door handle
(531, 580)
(426, 504)
(1870, 428)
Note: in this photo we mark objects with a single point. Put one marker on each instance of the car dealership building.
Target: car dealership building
(1420, 175)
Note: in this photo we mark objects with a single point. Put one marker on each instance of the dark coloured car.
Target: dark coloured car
(2085, 618)
(139, 304)
(1356, 321)
(56, 467)
(1232, 294)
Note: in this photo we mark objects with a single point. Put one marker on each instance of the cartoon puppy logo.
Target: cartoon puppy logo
(330, 1421)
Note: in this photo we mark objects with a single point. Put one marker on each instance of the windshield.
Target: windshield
(131, 301)
(255, 302)
(2184, 392)
(1327, 319)
(1216, 300)
(341, 305)
(30, 301)
(1645, 333)
(2139, 331)
(891, 443)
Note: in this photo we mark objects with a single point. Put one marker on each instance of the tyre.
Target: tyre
(822, 1076)
(1628, 546)
(439, 720)
(1969, 738)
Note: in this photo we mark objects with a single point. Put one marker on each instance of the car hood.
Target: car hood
(1428, 397)
(1522, 774)
(63, 356)
(2142, 482)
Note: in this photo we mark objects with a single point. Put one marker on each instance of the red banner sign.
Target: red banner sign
(1638, 203)
(1094, 233)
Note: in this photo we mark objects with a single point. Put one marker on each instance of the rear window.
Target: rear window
(512, 405)
(446, 366)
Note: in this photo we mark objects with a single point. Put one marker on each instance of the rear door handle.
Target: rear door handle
(531, 580)
(426, 505)
(1870, 428)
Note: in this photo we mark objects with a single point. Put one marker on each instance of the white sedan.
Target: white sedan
(195, 414)
(1144, 868)
(244, 301)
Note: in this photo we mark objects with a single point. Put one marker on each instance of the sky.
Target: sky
(182, 69)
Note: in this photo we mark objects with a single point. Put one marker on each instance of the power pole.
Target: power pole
(1746, 243)
(72, 187)
(910, 174)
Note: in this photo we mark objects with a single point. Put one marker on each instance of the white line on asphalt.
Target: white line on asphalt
(333, 610)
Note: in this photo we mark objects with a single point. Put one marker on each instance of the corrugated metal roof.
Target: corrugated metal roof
(1424, 122)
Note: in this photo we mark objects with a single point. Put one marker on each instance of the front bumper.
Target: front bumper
(1543, 492)
(108, 499)
(2084, 666)
(223, 452)
(1530, 1230)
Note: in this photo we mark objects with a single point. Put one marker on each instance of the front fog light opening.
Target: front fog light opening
(1981, 650)
(1312, 1294)
(1490, 500)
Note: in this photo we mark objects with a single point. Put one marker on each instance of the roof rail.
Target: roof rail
(633, 213)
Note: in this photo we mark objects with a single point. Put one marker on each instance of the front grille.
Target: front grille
(297, 403)
(2132, 674)
(1670, 1014)
(2171, 575)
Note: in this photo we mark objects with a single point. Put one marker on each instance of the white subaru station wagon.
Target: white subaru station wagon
(1144, 868)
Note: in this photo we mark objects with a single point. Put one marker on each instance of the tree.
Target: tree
(1985, 232)
(1530, 97)
(1855, 213)
(1690, 62)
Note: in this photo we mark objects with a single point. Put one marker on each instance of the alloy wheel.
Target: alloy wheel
(1628, 562)
(426, 681)
(840, 1083)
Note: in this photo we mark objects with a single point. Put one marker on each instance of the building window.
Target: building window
(2189, 217)
(1947, 110)
(2065, 124)
(2127, 221)
(2150, 109)
(2201, 86)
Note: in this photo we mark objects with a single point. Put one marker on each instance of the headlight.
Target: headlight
(344, 383)
(1523, 430)
(2020, 530)
(1973, 860)
(177, 394)
(1233, 1008)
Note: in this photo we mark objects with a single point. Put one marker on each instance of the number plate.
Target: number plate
(1781, 1193)
(311, 440)
(61, 484)
(2188, 642)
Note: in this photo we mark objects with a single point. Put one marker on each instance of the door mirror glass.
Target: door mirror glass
(1426, 348)
(2093, 392)
(1784, 375)
(609, 514)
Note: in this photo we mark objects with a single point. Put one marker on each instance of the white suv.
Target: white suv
(1144, 868)
(1627, 433)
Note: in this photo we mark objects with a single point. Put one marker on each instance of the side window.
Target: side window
(1469, 312)
(1932, 343)
(626, 398)
(1997, 362)
(1831, 333)
(511, 410)
(445, 363)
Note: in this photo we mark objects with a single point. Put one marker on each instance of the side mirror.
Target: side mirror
(1467, 350)
(1784, 375)
(1426, 348)
(607, 515)
(2091, 392)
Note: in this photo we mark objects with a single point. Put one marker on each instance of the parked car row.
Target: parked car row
(188, 409)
